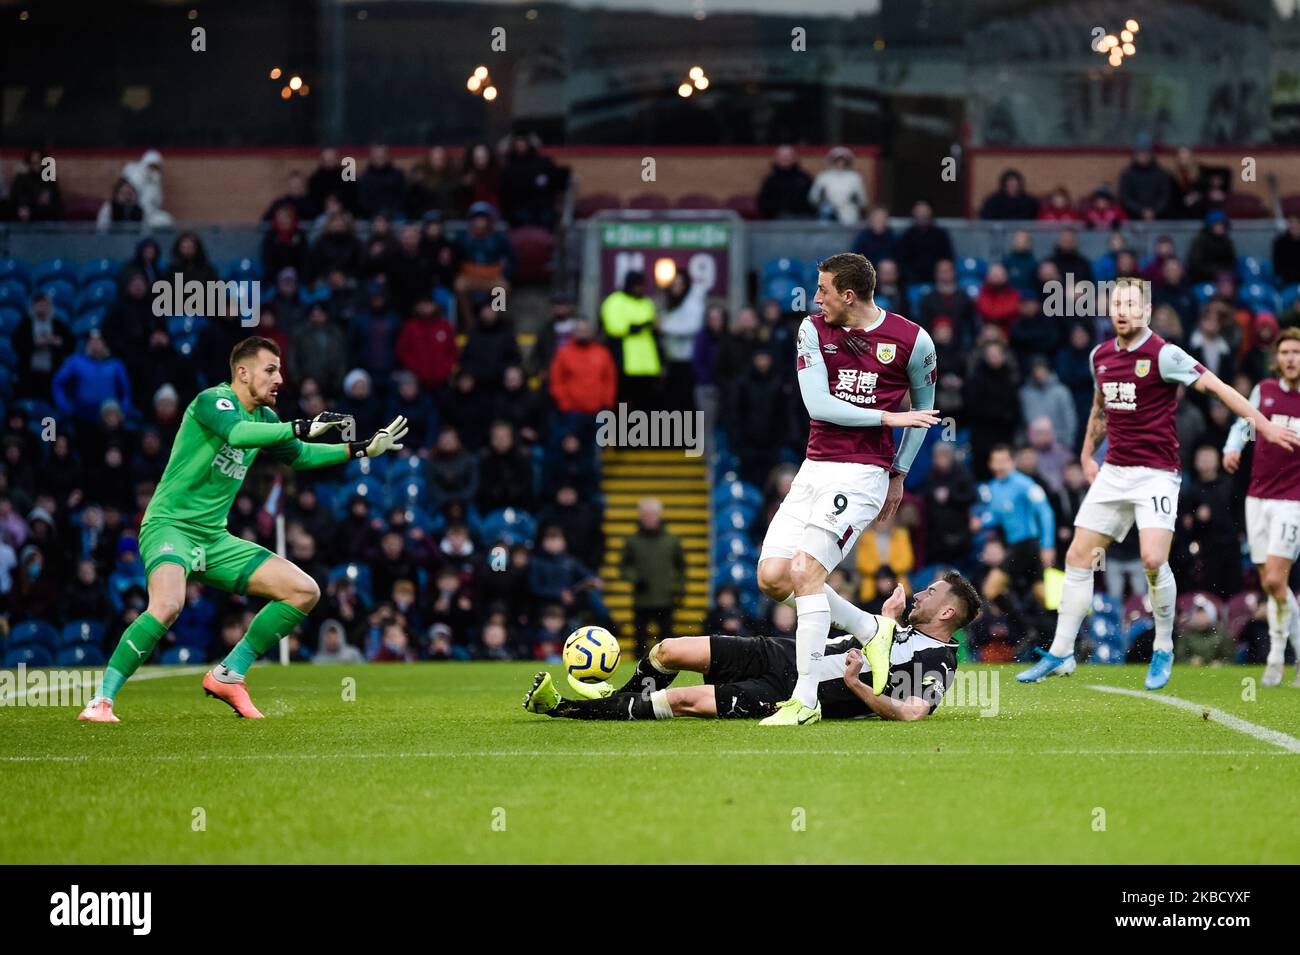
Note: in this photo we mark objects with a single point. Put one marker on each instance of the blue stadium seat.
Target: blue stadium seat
(6, 387)
(359, 574)
(732, 546)
(62, 292)
(970, 287)
(81, 631)
(10, 318)
(1105, 631)
(1254, 268)
(784, 265)
(1260, 296)
(1204, 291)
(737, 492)
(8, 357)
(61, 269)
(407, 493)
(781, 288)
(36, 408)
(100, 269)
(740, 573)
(917, 292)
(446, 300)
(243, 270)
(13, 294)
(91, 318)
(31, 656)
(33, 633)
(178, 656)
(971, 266)
(884, 301)
(367, 488)
(1289, 295)
(376, 468)
(96, 293)
(733, 517)
(179, 326)
(1103, 268)
(509, 525)
(17, 271)
(80, 655)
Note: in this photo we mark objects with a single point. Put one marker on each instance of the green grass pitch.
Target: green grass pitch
(439, 763)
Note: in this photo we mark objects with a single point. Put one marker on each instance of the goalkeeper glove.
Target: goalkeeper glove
(385, 439)
(306, 429)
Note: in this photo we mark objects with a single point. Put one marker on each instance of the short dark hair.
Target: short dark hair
(848, 270)
(967, 598)
(1001, 446)
(249, 348)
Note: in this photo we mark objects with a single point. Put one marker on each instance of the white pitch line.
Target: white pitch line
(76, 681)
(1262, 733)
(614, 754)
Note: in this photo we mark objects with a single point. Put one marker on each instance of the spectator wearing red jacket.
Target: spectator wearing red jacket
(1103, 211)
(998, 302)
(426, 345)
(583, 379)
(1058, 207)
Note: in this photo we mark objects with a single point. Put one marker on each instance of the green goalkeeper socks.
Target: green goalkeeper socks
(132, 650)
(267, 629)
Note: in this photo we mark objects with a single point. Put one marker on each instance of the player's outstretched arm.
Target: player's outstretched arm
(886, 707)
(1238, 435)
(1211, 384)
(387, 438)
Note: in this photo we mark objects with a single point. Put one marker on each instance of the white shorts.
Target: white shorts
(1122, 495)
(842, 497)
(1272, 528)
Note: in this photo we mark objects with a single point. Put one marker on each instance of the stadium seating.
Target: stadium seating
(81, 631)
(1254, 268)
(648, 200)
(1105, 631)
(174, 656)
(534, 250)
(80, 655)
(587, 206)
(33, 633)
(243, 270)
(30, 656)
(697, 200)
(359, 574)
(971, 267)
(509, 525)
(743, 205)
(14, 270)
(100, 269)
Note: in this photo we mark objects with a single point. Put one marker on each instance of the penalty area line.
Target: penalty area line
(611, 754)
(1261, 733)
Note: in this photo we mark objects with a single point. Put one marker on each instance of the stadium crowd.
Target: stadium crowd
(485, 539)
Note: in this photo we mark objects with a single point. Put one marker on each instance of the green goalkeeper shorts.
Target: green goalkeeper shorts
(218, 558)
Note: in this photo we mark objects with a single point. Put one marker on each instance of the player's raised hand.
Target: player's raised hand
(1231, 461)
(910, 419)
(893, 607)
(307, 429)
(387, 438)
(1277, 434)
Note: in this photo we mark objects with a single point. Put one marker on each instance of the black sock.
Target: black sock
(645, 670)
(620, 706)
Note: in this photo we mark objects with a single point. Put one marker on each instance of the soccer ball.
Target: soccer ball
(591, 654)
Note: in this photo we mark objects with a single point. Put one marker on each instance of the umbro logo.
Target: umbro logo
(829, 349)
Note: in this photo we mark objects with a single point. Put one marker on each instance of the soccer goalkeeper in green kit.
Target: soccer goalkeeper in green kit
(184, 534)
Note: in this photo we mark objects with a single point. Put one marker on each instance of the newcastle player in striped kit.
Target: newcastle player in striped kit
(1273, 502)
(1137, 375)
(859, 366)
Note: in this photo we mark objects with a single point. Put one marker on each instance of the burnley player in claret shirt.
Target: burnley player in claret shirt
(1137, 374)
(859, 367)
(1273, 502)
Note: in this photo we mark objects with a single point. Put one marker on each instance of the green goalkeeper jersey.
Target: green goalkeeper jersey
(217, 443)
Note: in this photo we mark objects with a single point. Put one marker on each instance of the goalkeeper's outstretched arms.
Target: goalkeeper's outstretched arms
(220, 415)
(302, 456)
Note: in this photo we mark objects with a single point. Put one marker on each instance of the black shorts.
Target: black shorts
(750, 675)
